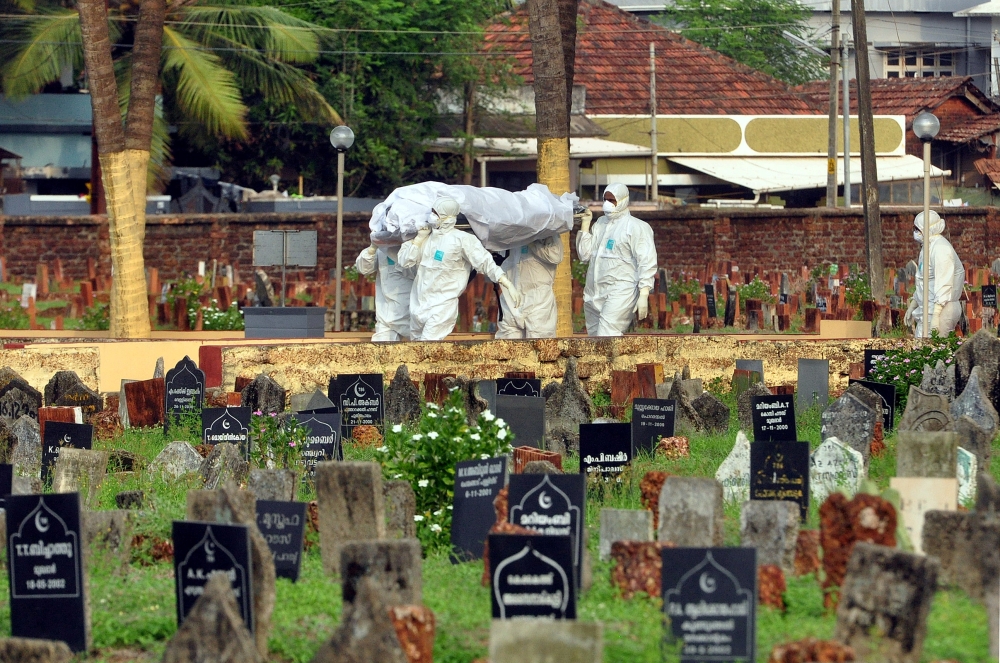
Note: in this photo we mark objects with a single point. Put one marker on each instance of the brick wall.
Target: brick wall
(686, 239)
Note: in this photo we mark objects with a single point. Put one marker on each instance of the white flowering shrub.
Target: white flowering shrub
(425, 455)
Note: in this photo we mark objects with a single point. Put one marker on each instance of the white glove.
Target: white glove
(370, 252)
(642, 306)
(910, 308)
(936, 320)
(585, 220)
(422, 235)
(513, 296)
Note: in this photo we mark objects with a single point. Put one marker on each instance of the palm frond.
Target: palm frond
(206, 90)
(42, 46)
(281, 36)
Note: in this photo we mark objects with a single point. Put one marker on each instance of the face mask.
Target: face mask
(446, 223)
(918, 236)
(608, 207)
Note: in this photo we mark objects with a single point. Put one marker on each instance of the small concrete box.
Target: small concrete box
(284, 322)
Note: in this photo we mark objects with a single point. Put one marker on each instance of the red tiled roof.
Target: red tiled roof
(971, 129)
(612, 62)
(899, 96)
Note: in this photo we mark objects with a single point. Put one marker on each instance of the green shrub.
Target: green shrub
(683, 287)
(756, 289)
(214, 319)
(96, 317)
(857, 288)
(276, 439)
(12, 316)
(579, 269)
(904, 367)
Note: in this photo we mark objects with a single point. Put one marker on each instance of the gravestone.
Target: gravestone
(932, 455)
(351, 507)
(925, 412)
(884, 603)
(27, 456)
(316, 400)
(263, 395)
(773, 419)
(780, 471)
(605, 450)
(734, 472)
(967, 469)
(834, 466)
(551, 504)
(400, 508)
(471, 401)
(852, 422)
(652, 420)
(224, 463)
(532, 576)
(323, 440)
(773, 529)
(917, 496)
(710, 300)
(273, 485)
(227, 424)
(477, 483)
(283, 525)
(402, 399)
(17, 397)
(144, 401)
(886, 399)
(518, 387)
(568, 407)
(394, 566)
(813, 383)
(176, 459)
(540, 640)
(34, 650)
(623, 525)
(872, 360)
(185, 390)
(202, 549)
(690, 512)
(214, 629)
(360, 399)
(526, 417)
(79, 469)
(974, 438)
(975, 404)
(752, 365)
(982, 350)
(989, 293)
(159, 370)
(123, 403)
(48, 585)
(81, 396)
(744, 409)
(6, 482)
(939, 380)
(59, 434)
(487, 390)
(366, 632)
(696, 577)
(714, 414)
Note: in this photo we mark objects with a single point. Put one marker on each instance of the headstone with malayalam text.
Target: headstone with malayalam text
(322, 439)
(477, 483)
(226, 424)
(532, 576)
(519, 387)
(989, 293)
(551, 504)
(526, 417)
(283, 526)
(59, 434)
(361, 400)
(710, 300)
(652, 420)
(185, 390)
(780, 471)
(605, 450)
(202, 549)
(872, 360)
(773, 418)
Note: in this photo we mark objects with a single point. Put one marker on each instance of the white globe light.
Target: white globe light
(342, 138)
(926, 126)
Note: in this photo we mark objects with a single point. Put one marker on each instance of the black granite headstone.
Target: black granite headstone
(872, 357)
(45, 569)
(477, 483)
(526, 417)
(888, 394)
(551, 504)
(6, 481)
(652, 419)
(184, 389)
(710, 600)
(517, 387)
(989, 293)
(730, 315)
(59, 434)
(202, 549)
(710, 300)
(322, 440)
(813, 384)
(605, 450)
(780, 471)
(773, 418)
(226, 424)
(532, 576)
(283, 526)
(360, 398)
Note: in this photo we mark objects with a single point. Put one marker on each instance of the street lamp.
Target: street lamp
(926, 127)
(341, 138)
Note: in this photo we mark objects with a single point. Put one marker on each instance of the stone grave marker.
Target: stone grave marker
(48, 592)
(227, 424)
(772, 528)
(975, 403)
(917, 496)
(283, 526)
(539, 640)
(58, 384)
(367, 631)
(159, 369)
(176, 459)
(351, 507)
(834, 466)
(402, 398)
(780, 471)
(274, 485)
(752, 365)
(76, 469)
(526, 417)
(925, 412)
(744, 409)
(532, 576)
(712, 412)
(700, 576)
(123, 403)
(652, 419)
(477, 483)
(394, 566)
(982, 350)
(27, 457)
(263, 395)
(975, 439)
(852, 422)
(214, 629)
(81, 396)
(932, 455)
(311, 402)
(400, 508)
(887, 395)
(33, 650)
(185, 390)
(690, 512)
(551, 504)
(144, 400)
(224, 463)
(734, 472)
(322, 439)
(17, 397)
(605, 450)
(939, 379)
(568, 406)
(967, 470)
(360, 399)
(872, 359)
(710, 300)
(773, 418)
(519, 387)
(202, 549)
(813, 383)
(59, 434)
(624, 525)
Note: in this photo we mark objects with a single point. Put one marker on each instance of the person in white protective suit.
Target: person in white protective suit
(443, 259)
(622, 259)
(532, 270)
(392, 291)
(947, 278)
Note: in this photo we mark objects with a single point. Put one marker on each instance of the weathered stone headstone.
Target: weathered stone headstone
(713, 412)
(81, 396)
(772, 527)
(982, 350)
(974, 438)
(987, 493)
(17, 397)
(27, 455)
(394, 566)
(623, 525)
(834, 466)
(473, 403)
(224, 463)
(939, 380)
(400, 507)
(691, 512)
(540, 467)
(567, 408)
(130, 499)
(968, 545)
(176, 459)
(975, 404)
(33, 650)
(79, 469)
(365, 633)
(752, 365)
(315, 400)
(185, 390)
(351, 507)
(884, 603)
(59, 383)
(159, 369)
(213, 630)
(539, 640)
(273, 485)
(925, 412)
(687, 417)
(813, 383)
(264, 395)
(123, 403)
(931, 455)
(917, 496)
(734, 472)
(402, 398)
(744, 408)
(884, 400)
(852, 422)
(967, 468)
(109, 531)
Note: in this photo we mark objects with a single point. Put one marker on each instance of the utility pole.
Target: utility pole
(831, 150)
(847, 122)
(869, 176)
(653, 148)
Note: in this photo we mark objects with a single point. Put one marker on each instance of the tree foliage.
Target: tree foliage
(753, 32)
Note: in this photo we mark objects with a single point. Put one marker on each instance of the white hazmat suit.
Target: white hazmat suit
(392, 291)
(532, 270)
(622, 257)
(947, 278)
(443, 259)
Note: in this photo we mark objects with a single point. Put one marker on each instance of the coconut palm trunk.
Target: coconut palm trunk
(552, 24)
(124, 152)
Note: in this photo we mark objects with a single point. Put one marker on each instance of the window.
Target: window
(910, 63)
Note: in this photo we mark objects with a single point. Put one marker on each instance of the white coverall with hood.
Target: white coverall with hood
(443, 259)
(392, 291)
(622, 257)
(947, 278)
(532, 270)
